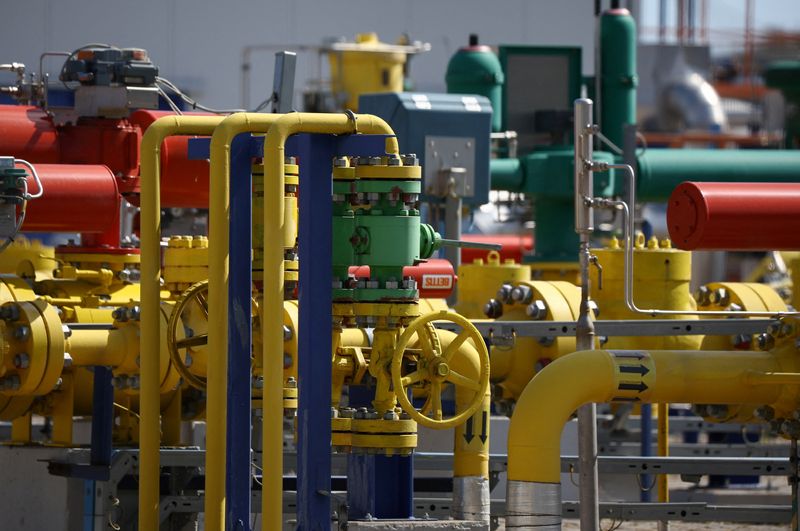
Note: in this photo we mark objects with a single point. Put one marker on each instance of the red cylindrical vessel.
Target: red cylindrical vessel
(435, 277)
(77, 198)
(184, 182)
(735, 216)
(27, 133)
(514, 246)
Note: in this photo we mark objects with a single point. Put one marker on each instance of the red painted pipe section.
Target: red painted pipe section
(28, 133)
(435, 278)
(735, 216)
(514, 246)
(77, 198)
(184, 182)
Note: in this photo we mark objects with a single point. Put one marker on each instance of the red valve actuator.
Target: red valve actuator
(735, 216)
(435, 277)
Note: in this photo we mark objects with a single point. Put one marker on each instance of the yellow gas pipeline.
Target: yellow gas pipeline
(706, 377)
(150, 197)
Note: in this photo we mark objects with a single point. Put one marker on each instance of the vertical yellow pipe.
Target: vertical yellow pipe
(287, 125)
(218, 255)
(663, 451)
(150, 345)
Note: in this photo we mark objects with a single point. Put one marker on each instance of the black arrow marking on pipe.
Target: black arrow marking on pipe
(483, 436)
(468, 433)
(626, 399)
(634, 369)
(641, 386)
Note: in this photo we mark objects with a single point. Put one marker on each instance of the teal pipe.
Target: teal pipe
(618, 77)
(661, 170)
(507, 174)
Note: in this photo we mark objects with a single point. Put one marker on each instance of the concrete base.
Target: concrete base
(403, 525)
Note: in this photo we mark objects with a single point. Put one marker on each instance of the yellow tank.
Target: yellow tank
(479, 281)
(366, 66)
(661, 278)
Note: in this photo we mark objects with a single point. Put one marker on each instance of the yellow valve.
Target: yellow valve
(197, 293)
(433, 370)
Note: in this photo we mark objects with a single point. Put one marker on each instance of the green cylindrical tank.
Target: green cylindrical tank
(475, 69)
(618, 73)
(785, 76)
(661, 170)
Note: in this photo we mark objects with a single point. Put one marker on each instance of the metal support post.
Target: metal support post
(452, 231)
(584, 225)
(102, 417)
(663, 451)
(240, 337)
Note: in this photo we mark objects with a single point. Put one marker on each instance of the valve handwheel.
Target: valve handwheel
(199, 293)
(433, 370)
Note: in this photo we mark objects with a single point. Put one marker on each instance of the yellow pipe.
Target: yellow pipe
(97, 347)
(772, 378)
(218, 230)
(286, 126)
(150, 197)
(663, 450)
(705, 377)
(701, 377)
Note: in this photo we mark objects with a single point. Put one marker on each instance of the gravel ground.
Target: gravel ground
(607, 525)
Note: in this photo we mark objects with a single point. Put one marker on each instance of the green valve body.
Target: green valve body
(376, 224)
(476, 69)
(618, 73)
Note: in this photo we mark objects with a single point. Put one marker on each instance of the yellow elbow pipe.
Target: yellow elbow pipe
(219, 229)
(710, 377)
(286, 126)
(150, 198)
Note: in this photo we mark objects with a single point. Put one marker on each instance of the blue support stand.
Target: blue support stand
(377, 485)
(647, 450)
(314, 337)
(240, 337)
(102, 418)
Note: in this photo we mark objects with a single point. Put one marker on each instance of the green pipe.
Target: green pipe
(507, 174)
(618, 78)
(661, 170)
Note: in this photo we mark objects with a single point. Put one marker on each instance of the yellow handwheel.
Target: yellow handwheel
(433, 370)
(196, 292)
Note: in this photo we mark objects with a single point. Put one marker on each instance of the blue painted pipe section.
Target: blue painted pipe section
(240, 336)
(647, 450)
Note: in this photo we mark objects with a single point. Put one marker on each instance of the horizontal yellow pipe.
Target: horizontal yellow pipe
(772, 378)
(274, 181)
(710, 377)
(218, 256)
(150, 200)
(97, 347)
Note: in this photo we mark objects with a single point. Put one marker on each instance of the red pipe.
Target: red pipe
(735, 216)
(28, 133)
(514, 246)
(435, 277)
(184, 182)
(77, 198)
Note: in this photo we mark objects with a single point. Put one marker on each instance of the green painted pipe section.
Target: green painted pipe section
(476, 69)
(661, 170)
(507, 174)
(618, 73)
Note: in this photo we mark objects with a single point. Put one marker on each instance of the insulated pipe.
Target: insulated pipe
(150, 197)
(217, 380)
(735, 216)
(286, 126)
(704, 377)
